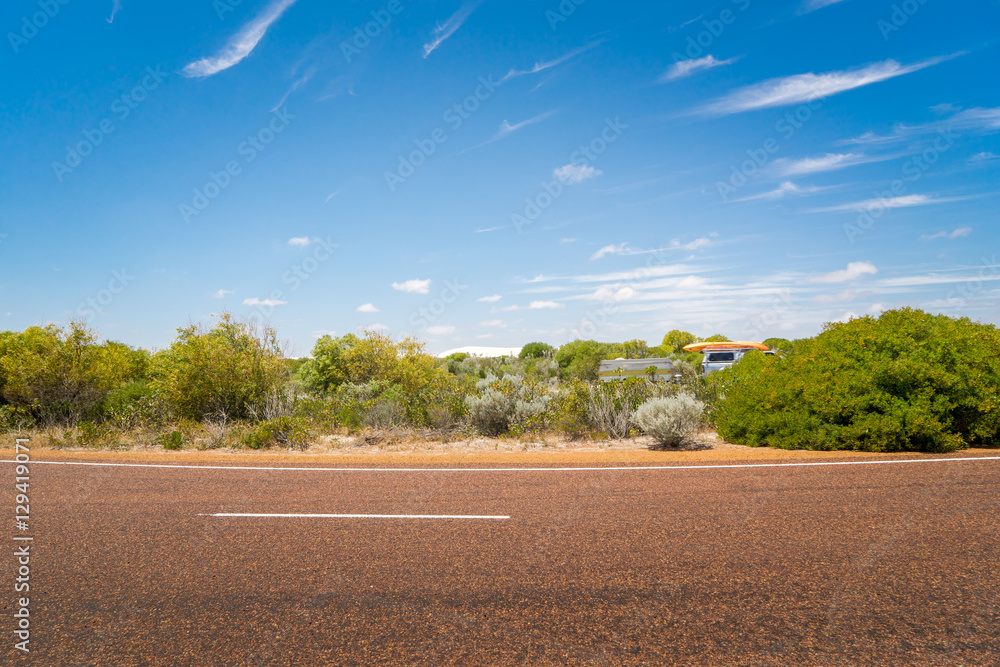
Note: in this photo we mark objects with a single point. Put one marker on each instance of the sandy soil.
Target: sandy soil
(403, 449)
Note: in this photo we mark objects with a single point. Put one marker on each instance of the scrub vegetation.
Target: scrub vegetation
(906, 381)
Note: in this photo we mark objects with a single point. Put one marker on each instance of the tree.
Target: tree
(61, 376)
(372, 358)
(230, 369)
(675, 340)
(779, 344)
(536, 351)
(631, 349)
(715, 338)
(582, 358)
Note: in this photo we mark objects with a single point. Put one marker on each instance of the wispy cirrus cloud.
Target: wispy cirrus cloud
(824, 163)
(114, 10)
(675, 244)
(799, 88)
(953, 234)
(785, 189)
(506, 129)
(222, 293)
(239, 46)
(685, 68)
(978, 119)
(906, 201)
(813, 5)
(853, 271)
(443, 31)
(542, 66)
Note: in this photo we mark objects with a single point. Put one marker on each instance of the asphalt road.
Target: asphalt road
(893, 564)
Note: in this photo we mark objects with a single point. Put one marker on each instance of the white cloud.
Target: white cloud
(575, 173)
(954, 234)
(985, 156)
(493, 324)
(367, 308)
(507, 129)
(697, 244)
(977, 119)
(301, 241)
(823, 163)
(375, 327)
(813, 5)
(541, 67)
(222, 293)
(626, 249)
(853, 271)
(413, 286)
(611, 294)
(454, 22)
(905, 201)
(567, 240)
(619, 249)
(489, 299)
(254, 301)
(684, 68)
(544, 305)
(114, 10)
(799, 88)
(937, 279)
(440, 330)
(786, 188)
(240, 46)
(691, 282)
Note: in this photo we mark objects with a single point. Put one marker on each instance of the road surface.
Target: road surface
(873, 563)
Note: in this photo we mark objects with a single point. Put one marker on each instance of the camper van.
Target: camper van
(619, 369)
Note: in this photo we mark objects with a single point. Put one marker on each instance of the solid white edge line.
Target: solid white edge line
(574, 469)
(355, 516)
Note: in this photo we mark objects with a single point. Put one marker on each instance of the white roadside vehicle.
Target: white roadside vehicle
(723, 355)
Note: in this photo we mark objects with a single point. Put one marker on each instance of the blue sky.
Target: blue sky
(492, 173)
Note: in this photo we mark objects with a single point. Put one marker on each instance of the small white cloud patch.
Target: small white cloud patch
(575, 173)
(413, 286)
(254, 301)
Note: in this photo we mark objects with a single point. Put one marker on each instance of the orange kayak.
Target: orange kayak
(732, 345)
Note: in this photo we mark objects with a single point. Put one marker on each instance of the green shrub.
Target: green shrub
(611, 405)
(907, 381)
(283, 432)
(569, 409)
(670, 420)
(231, 369)
(172, 440)
(505, 405)
(536, 351)
(14, 418)
(133, 405)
